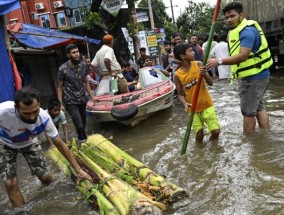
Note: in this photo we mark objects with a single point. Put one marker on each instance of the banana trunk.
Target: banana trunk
(168, 192)
(87, 188)
(121, 194)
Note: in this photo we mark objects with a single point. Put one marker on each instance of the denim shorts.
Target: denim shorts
(251, 94)
(33, 155)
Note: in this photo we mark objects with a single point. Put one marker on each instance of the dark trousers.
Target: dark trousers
(78, 116)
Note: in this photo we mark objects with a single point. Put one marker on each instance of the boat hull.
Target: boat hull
(144, 110)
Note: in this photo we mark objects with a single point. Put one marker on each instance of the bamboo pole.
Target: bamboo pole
(7, 41)
(87, 46)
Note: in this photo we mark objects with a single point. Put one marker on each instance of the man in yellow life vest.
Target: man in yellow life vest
(250, 60)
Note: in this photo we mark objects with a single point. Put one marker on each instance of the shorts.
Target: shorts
(251, 94)
(208, 117)
(33, 155)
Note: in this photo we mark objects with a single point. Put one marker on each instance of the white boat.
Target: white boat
(133, 107)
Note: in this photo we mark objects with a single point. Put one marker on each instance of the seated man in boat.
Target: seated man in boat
(149, 63)
(125, 69)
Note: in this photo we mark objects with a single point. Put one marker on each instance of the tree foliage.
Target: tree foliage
(197, 19)
(159, 10)
(158, 7)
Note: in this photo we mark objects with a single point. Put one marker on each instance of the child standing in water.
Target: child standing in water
(58, 117)
(186, 78)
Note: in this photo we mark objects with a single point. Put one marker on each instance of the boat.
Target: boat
(131, 108)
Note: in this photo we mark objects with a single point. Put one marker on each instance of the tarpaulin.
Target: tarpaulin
(7, 88)
(38, 37)
(6, 6)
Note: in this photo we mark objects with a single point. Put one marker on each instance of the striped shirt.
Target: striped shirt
(17, 134)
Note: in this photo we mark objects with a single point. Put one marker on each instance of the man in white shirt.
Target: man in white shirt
(214, 43)
(20, 123)
(106, 60)
(221, 50)
(212, 71)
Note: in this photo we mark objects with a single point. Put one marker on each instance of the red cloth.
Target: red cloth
(17, 77)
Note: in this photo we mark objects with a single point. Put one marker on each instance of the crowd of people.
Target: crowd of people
(246, 56)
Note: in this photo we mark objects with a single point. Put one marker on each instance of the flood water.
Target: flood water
(234, 175)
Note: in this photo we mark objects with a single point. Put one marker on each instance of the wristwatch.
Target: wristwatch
(220, 61)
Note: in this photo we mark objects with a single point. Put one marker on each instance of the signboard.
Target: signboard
(143, 41)
(161, 35)
(142, 17)
(112, 6)
(130, 45)
(125, 34)
(128, 40)
(152, 43)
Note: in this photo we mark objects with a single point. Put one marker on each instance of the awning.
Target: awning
(38, 37)
(8, 5)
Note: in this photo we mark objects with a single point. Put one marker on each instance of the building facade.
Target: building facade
(51, 13)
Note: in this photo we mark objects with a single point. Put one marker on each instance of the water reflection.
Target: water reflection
(234, 175)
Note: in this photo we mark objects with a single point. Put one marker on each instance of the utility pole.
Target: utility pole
(151, 14)
(174, 22)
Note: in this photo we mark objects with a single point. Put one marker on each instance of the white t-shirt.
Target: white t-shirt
(17, 134)
(221, 50)
(106, 52)
(204, 46)
(59, 119)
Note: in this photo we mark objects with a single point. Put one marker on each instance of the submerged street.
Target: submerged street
(234, 175)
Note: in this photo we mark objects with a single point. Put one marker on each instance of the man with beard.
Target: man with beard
(196, 47)
(250, 60)
(20, 123)
(141, 60)
(72, 86)
(149, 63)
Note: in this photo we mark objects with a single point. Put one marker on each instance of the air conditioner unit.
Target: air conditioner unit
(39, 6)
(58, 4)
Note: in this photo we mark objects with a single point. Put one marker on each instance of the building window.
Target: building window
(60, 20)
(45, 21)
(79, 15)
(35, 16)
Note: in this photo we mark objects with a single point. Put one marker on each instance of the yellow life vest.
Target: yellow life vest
(256, 62)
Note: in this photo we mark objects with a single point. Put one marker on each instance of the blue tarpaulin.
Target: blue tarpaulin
(7, 88)
(7, 6)
(38, 37)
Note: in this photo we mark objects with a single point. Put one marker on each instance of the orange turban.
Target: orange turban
(107, 39)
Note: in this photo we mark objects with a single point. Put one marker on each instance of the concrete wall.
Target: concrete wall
(263, 10)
